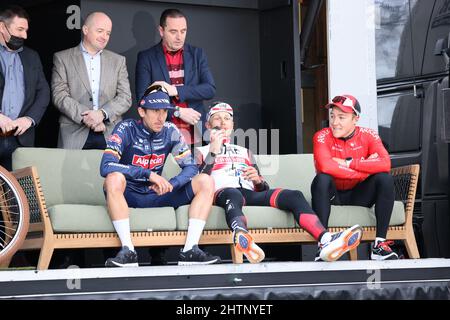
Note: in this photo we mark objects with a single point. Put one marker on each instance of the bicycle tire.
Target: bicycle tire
(12, 236)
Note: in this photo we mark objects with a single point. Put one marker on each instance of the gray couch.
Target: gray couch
(75, 202)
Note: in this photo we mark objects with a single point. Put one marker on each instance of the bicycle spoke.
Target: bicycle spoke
(6, 234)
(14, 210)
(3, 226)
(3, 243)
(13, 198)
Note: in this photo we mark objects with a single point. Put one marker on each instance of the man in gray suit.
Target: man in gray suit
(90, 87)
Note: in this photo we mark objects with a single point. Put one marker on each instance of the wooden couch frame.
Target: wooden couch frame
(41, 235)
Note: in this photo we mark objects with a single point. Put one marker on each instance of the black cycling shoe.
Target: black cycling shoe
(125, 258)
(196, 256)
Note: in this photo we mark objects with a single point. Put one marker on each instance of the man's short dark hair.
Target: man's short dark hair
(170, 13)
(7, 13)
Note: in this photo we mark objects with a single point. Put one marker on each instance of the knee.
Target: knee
(294, 195)
(115, 183)
(384, 179)
(299, 195)
(204, 183)
(233, 195)
(322, 180)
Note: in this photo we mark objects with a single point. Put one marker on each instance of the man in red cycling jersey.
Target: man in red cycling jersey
(353, 169)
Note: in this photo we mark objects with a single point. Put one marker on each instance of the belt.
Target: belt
(7, 134)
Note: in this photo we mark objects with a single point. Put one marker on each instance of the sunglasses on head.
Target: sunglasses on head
(154, 88)
(343, 100)
(346, 102)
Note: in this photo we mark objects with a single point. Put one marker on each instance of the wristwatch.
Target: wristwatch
(348, 161)
(212, 154)
(104, 114)
(176, 113)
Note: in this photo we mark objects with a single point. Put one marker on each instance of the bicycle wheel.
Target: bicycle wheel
(15, 215)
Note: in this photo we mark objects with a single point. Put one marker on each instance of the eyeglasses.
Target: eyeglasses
(154, 88)
(346, 102)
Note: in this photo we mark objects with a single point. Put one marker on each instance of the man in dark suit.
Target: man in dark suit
(182, 70)
(24, 91)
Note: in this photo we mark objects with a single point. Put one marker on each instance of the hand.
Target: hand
(100, 127)
(6, 124)
(171, 90)
(160, 184)
(340, 161)
(22, 124)
(92, 118)
(189, 115)
(216, 137)
(250, 173)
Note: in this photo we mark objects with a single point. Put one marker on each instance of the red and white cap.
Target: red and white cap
(219, 106)
(346, 103)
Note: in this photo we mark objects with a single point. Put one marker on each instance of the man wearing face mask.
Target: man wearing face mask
(24, 91)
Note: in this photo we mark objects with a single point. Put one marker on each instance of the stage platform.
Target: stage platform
(401, 279)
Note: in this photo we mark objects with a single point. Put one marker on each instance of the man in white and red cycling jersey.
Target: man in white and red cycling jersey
(353, 169)
(238, 182)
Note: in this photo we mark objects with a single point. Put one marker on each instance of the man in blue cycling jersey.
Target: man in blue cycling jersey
(132, 165)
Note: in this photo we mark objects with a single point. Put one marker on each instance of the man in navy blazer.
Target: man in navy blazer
(24, 91)
(182, 70)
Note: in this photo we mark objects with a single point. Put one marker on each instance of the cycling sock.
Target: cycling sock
(311, 223)
(378, 240)
(194, 233)
(123, 231)
(239, 222)
(326, 237)
(294, 201)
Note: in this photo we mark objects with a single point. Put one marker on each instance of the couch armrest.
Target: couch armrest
(28, 179)
(405, 183)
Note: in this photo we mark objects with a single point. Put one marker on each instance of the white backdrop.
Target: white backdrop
(351, 54)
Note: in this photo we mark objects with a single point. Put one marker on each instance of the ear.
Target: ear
(208, 125)
(141, 112)
(3, 26)
(85, 29)
(161, 31)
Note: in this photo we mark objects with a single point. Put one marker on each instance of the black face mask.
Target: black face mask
(14, 43)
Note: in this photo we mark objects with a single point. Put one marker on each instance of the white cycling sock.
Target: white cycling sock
(378, 240)
(123, 231)
(326, 237)
(194, 233)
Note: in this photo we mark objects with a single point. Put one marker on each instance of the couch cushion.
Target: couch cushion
(67, 176)
(265, 217)
(71, 176)
(86, 218)
(171, 168)
(290, 171)
(257, 217)
(350, 215)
